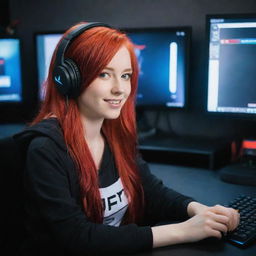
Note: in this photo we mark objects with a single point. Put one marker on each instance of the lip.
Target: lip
(114, 103)
(112, 99)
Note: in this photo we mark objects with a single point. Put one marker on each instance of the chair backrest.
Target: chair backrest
(12, 216)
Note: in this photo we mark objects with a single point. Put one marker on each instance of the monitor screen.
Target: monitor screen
(10, 70)
(231, 63)
(45, 46)
(163, 61)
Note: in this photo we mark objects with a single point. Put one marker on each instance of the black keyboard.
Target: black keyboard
(245, 233)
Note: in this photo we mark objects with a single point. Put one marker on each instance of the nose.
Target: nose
(117, 87)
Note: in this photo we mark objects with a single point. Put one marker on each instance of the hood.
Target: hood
(48, 127)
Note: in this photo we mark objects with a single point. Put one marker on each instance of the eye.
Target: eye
(127, 76)
(104, 75)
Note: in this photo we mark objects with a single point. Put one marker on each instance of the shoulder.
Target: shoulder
(44, 154)
(45, 148)
(41, 142)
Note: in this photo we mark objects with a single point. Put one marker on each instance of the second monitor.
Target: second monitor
(163, 57)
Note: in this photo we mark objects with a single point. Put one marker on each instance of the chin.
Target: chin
(112, 116)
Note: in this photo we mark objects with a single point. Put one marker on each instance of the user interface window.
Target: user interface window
(232, 65)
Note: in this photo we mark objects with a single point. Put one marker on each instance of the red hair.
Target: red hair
(92, 51)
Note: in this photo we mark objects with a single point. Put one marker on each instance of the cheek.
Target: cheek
(87, 99)
(127, 93)
(128, 90)
(93, 93)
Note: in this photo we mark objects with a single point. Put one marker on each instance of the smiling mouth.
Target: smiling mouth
(114, 102)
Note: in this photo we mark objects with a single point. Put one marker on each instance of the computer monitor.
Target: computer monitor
(231, 64)
(163, 56)
(10, 71)
(45, 45)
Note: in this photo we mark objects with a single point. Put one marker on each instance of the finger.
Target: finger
(215, 233)
(235, 219)
(219, 218)
(232, 222)
(219, 209)
(230, 213)
(219, 227)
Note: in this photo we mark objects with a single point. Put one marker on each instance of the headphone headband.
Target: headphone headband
(66, 74)
(66, 41)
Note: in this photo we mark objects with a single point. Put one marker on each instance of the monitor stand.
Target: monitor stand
(145, 130)
(243, 173)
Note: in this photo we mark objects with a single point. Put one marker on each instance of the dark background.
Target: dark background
(58, 15)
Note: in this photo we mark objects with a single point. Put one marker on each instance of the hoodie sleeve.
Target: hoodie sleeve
(161, 202)
(47, 184)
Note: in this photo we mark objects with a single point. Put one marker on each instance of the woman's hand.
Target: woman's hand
(210, 221)
(202, 225)
(204, 222)
(232, 215)
(195, 208)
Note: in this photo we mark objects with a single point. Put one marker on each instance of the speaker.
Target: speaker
(239, 173)
(66, 74)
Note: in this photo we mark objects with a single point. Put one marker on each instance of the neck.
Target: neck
(92, 129)
(94, 139)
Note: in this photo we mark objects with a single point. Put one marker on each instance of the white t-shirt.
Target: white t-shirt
(115, 203)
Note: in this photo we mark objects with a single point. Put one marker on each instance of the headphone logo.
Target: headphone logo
(57, 79)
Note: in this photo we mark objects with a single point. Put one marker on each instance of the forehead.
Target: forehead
(121, 59)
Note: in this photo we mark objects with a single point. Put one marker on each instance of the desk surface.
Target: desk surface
(206, 187)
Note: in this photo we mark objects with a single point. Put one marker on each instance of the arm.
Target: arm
(161, 202)
(205, 222)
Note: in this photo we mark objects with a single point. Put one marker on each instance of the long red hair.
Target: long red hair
(92, 51)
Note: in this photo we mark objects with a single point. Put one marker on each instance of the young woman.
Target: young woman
(87, 191)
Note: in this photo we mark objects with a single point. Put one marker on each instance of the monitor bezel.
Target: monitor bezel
(208, 17)
(188, 30)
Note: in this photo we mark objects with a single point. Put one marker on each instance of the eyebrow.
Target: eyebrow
(111, 69)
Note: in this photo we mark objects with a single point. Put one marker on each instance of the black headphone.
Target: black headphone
(66, 74)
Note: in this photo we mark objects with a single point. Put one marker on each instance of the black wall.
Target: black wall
(5, 15)
(58, 15)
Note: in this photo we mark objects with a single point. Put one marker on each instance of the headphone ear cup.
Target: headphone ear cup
(75, 78)
(61, 78)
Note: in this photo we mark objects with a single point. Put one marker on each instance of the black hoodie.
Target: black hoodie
(55, 221)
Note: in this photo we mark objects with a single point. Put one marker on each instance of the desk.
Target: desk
(206, 187)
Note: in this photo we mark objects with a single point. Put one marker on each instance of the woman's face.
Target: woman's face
(105, 96)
